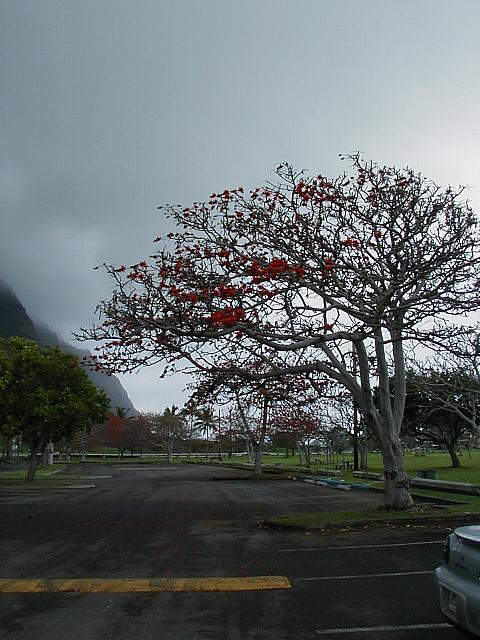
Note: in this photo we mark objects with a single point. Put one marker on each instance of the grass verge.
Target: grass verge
(348, 518)
(465, 506)
(50, 477)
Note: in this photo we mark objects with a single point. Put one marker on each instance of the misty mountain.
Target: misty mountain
(15, 321)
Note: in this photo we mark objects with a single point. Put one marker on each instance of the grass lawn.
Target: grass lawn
(469, 472)
(42, 473)
(44, 478)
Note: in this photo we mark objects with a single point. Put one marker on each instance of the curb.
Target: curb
(334, 483)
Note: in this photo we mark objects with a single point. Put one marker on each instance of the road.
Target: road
(190, 521)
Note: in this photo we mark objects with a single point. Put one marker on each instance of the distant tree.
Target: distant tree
(125, 433)
(452, 378)
(166, 429)
(205, 421)
(47, 396)
(5, 369)
(5, 375)
(251, 402)
(193, 421)
(302, 424)
(441, 408)
(283, 440)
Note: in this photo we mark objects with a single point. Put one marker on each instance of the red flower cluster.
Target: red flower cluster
(352, 242)
(329, 264)
(225, 197)
(273, 269)
(315, 191)
(226, 292)
(136, 275)
(227, 317)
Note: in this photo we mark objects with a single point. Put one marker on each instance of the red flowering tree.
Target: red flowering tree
(125, 433)
(301, 423)
(310, 266)
(251, 400)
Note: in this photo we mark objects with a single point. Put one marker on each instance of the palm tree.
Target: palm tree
(205, 422)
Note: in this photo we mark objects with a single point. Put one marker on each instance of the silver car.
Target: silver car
(458, 580)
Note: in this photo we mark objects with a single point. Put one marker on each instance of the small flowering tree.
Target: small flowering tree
(309, 266)
(302, 424)
(252, 400)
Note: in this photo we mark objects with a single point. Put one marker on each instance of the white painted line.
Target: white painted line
(147, 469)
(403, 627)
(77, 486)
(367, 575)
(364, 546)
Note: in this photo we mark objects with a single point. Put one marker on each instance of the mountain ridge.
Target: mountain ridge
(15, 321)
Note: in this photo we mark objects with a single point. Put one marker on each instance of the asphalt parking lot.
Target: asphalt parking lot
(200, 522)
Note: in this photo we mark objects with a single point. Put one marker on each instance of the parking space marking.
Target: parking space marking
(363, 546)
(403, 627)
(143, 585)
(367, 575)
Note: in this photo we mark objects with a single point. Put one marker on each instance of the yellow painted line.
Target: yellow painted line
(143, 585)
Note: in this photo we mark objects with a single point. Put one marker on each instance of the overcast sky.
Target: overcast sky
(110, 108)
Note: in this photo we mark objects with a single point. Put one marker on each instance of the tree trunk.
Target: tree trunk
(355, 438)
(50, 452)
(258, 446)
(306, 447)
(32, 462)
(8, 449)
(300, 454)
(363, 457)
(257, 449)
(453, 455)
(397, 495)
(250, 455)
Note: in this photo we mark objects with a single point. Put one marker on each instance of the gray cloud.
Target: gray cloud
(110, 108)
